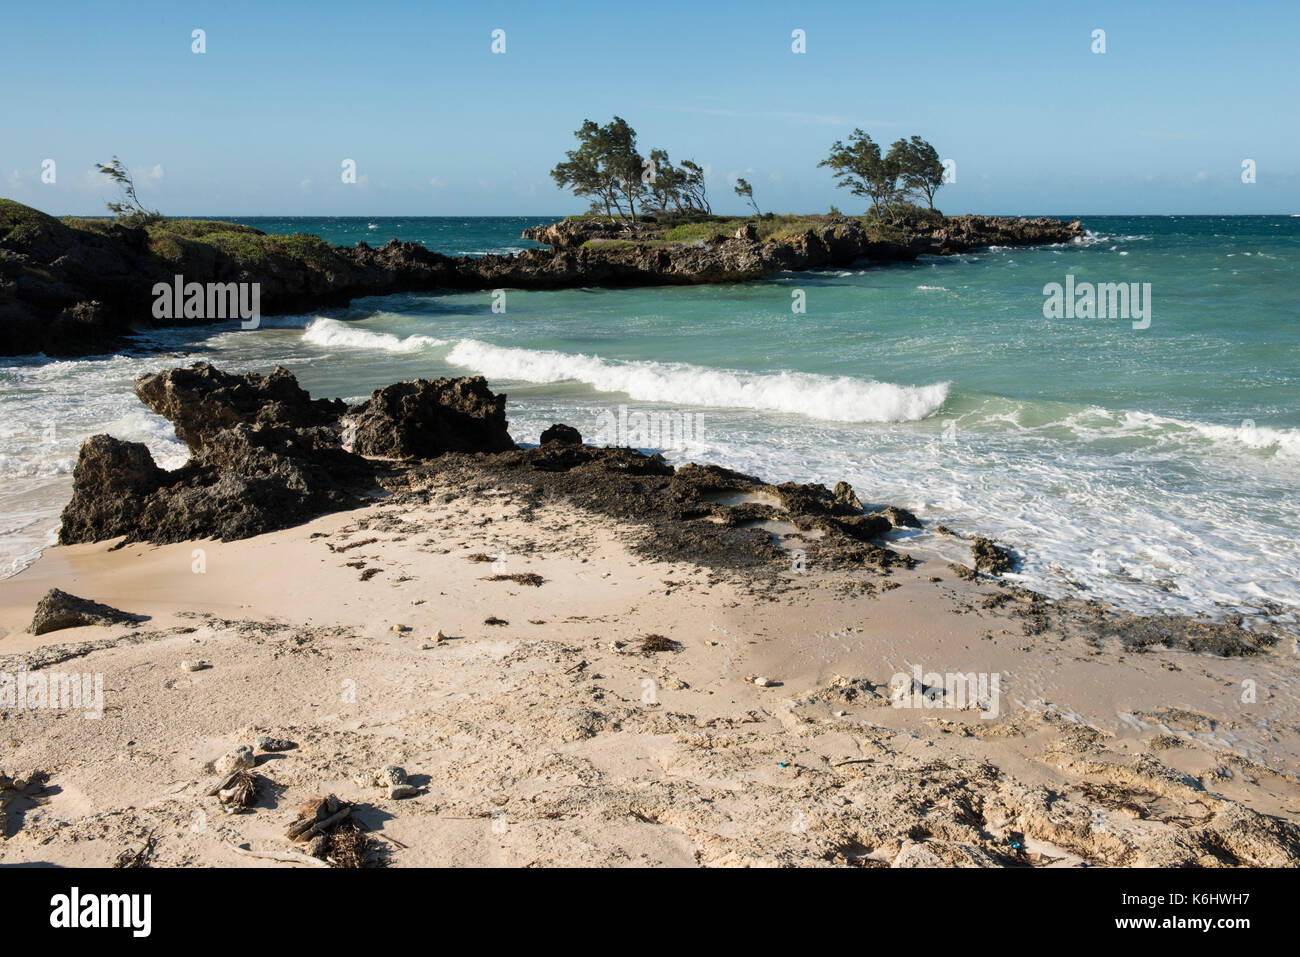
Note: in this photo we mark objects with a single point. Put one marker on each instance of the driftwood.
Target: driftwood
(316, 817)
(288, 857)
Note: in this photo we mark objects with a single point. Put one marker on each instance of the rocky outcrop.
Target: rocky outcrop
(201, 401)
(77, 288)
(422, 419)
(560, 434)
(59, 610)
(265, 454)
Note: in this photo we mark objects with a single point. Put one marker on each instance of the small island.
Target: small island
(78, 286)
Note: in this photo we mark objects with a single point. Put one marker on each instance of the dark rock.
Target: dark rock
(110, 480)
(899, 517)
(990, 557)
(846, 498)
(863, 527)
(561, 435)
(265, 456)
(424, 418)
(59, 610)
(201, 400)
(814, 499)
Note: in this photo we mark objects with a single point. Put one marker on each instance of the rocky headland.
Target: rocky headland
(79, 286)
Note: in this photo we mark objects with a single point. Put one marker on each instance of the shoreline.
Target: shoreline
(584, 656)
(590, 751)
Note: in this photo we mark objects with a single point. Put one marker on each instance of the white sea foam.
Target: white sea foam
(340, 335)
(832, 398)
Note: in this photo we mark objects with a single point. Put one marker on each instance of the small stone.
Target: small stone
(389, 776)
(193, 665)
(398, 791)
(239, 759)
(401, 628)
(762, 682)
(439, 636)
(265, 743)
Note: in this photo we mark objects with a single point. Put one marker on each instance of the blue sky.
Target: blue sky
(439, 125)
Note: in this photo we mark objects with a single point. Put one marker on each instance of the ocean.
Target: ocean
(1153, 467)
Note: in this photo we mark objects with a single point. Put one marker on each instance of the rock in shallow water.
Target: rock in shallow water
(265, 455)
(560, 434)
(424, 418)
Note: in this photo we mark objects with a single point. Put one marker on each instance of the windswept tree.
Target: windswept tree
(693, 194)
(859, 168)
(673, 189)
(919, 167)
(746, 192)
(663, 182)
(605, 167)
(129, 206)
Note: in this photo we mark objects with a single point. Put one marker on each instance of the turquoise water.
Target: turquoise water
(1155, 468)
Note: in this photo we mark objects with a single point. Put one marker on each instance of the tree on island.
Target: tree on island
(920, 170)
(745, 191)
(859, 168)
(605, 160)
(129, 208)
(607, 168)
(910, 167)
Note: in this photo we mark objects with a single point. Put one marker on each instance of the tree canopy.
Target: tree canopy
(607, 168)
(911, 167)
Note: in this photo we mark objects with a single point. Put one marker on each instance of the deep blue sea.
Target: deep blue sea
(1155, 467)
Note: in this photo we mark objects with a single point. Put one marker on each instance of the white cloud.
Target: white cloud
(1200, 176)
(148, 174)
(436, 183)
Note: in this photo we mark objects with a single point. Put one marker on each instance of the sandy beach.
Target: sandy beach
(540, 730)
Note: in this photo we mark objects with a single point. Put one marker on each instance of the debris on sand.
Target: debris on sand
(389, 776)
(652, 644)
(198, 665)
(13, 788)
(519, 578)
(237, 759)
(59, 610)
(316, 816)
(348, 546)
(267, 743)
(238, 790)
(479, 557)
(139, 857)
(324, 826)
(494, 620)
